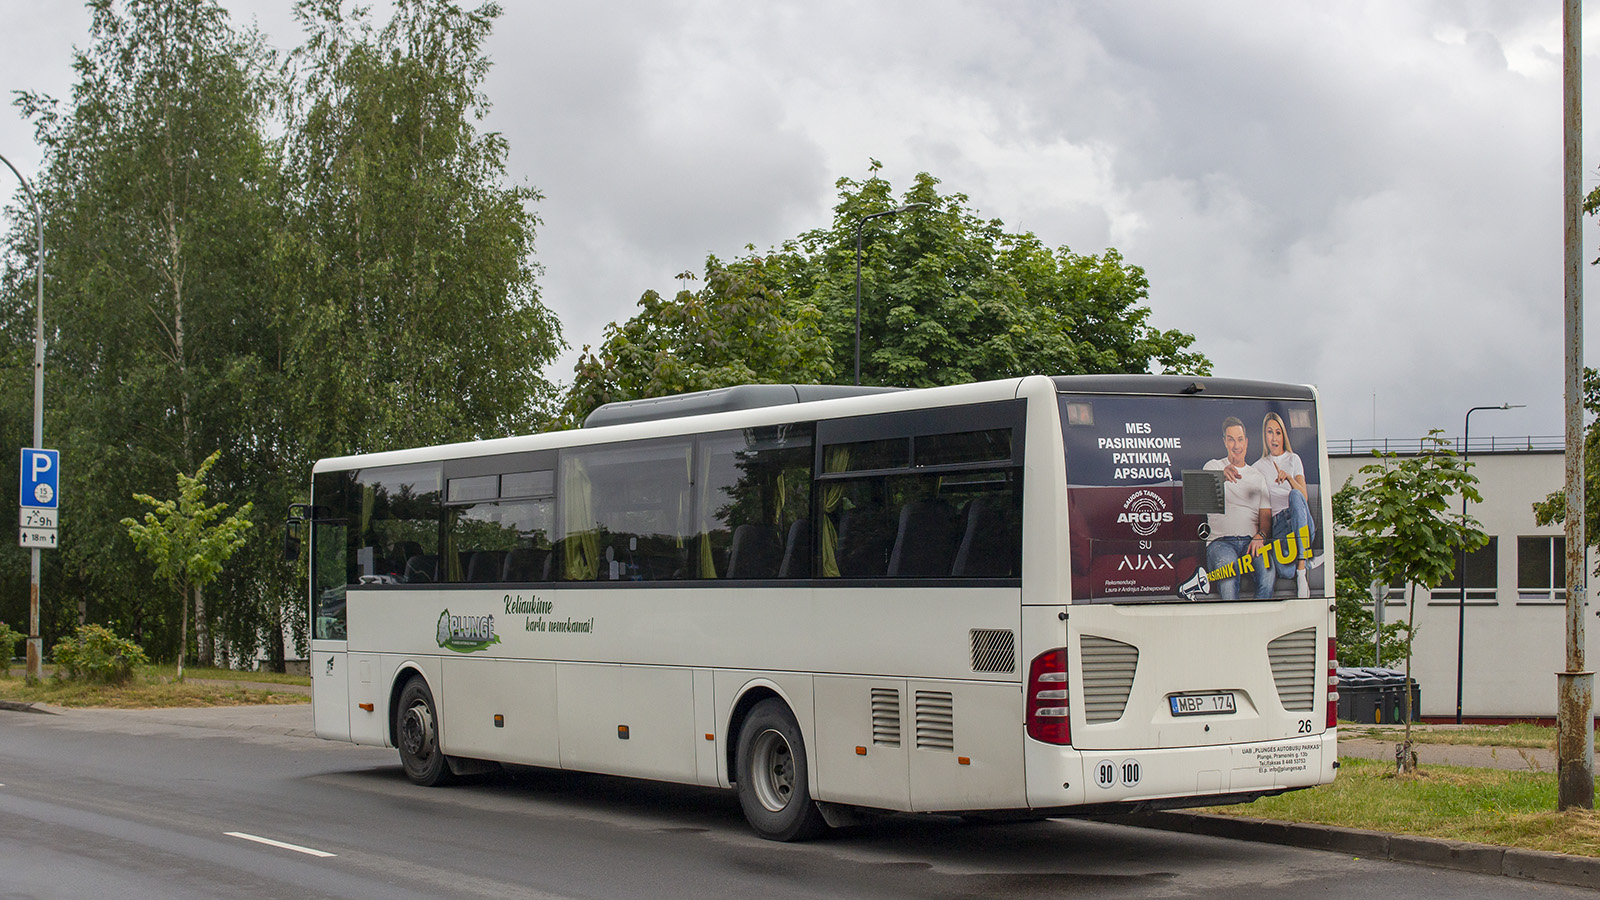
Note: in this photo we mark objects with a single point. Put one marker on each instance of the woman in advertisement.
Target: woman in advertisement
(1286, 490)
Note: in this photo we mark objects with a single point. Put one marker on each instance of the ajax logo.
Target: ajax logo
(1144, 511)
(466, 634)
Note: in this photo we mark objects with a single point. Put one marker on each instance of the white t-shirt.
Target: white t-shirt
(1243, 501)
(1278, 491)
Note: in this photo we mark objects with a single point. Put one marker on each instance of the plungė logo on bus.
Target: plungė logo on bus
(1144, 512)
(466, 634)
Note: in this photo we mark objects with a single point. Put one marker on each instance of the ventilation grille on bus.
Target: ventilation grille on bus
(935, 721)
(886, 717)
(1108, 669)
(993, 650)
(1294, 668)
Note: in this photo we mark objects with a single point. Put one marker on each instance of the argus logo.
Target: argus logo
(1144, 512)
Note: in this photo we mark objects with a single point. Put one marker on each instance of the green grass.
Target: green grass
(1490, 806)
(170, 672)
(1519, 734)
(150, 689)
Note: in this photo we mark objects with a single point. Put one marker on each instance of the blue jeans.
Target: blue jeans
(1224, 551)
(1290, 521)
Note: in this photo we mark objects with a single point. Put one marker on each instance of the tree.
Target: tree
(1359, 556)
(188, 540)
(948, 297)
(733, 331)
(1403, 509)
(158, 189)
(416, 317)
(1552, 510)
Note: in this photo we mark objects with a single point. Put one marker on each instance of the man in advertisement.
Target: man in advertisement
(1238, 534)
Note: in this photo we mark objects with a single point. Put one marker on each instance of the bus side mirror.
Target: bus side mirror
(291, 539)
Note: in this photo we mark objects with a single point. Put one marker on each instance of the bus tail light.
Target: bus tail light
(1047, 698)
(1333, 686)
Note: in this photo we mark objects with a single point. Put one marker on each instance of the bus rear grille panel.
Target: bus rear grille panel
(1108, 670)
(993, 650)
(886, 717)
(935, 721)
(1294, 668)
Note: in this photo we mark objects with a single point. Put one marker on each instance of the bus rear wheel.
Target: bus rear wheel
(773, 776)
(416, 733)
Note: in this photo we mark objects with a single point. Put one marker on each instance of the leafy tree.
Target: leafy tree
(1403, 509)
(1359, 556)
(1552, 510)
(733, 331)
(949, 297)
(188, 540)
(416, 318)
(158, 190)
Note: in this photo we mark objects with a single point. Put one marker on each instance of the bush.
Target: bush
(8, 647)
(97, 654)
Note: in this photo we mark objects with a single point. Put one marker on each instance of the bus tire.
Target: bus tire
(416, 733)
(772, 776)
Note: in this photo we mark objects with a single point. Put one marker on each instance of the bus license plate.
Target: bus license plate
(1202, 704)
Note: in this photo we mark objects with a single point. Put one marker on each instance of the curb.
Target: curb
(29, 706)
(1464, 856)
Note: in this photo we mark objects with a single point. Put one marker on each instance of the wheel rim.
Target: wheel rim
(416, 731)
(773, 770)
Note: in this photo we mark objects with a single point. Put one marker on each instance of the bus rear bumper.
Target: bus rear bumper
(1060, 778)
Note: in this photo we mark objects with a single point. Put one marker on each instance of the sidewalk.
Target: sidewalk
(1534, 759)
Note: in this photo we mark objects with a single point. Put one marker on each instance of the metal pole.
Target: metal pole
(1575, 686)
(860, 224)
(35, 649)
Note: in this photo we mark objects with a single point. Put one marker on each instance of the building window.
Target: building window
(1483, 574)
(1542, 568)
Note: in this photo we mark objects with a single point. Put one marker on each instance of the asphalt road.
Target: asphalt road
(175, 804)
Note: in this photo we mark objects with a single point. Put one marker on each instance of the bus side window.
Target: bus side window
(396, 517)
(754, 493)
(626, 511)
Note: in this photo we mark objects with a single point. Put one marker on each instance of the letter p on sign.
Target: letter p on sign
(41, 478)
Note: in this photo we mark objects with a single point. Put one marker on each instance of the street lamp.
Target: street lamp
(860, 224)
(1461, 569)
(35, 651)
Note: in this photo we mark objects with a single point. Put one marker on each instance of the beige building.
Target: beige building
(1515, 601)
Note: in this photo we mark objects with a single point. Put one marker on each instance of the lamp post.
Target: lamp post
(35, 651)
(1461, 567)
(860, 224)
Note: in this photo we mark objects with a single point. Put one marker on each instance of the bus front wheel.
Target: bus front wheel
(416, 732)
(772, 776)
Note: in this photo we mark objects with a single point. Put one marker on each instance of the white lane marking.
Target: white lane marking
(272, 843)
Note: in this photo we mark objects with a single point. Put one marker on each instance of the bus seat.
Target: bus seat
(754, 553)
(925, 542)
(987, 547)
(864, 539)
(485, 565)
(797, 551)
(400, 554)
(524, 564)
(422, 569)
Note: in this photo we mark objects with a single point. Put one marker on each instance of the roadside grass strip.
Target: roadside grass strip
(1490, 806)
(1520, 734)
(145, 691)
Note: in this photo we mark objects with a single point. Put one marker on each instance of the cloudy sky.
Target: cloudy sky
(1365, 196)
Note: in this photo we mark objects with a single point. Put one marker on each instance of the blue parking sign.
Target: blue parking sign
(41, 478)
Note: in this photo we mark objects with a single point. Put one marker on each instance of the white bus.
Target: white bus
(1020, 598)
